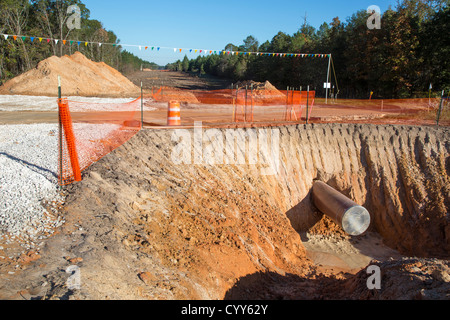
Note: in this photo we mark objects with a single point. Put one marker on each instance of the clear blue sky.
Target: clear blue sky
(212, 24)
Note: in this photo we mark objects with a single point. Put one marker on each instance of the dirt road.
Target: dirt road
(179, 80)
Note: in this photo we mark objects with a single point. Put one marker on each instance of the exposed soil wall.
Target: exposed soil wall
(206, 226)
(141, 226)
(399, 173)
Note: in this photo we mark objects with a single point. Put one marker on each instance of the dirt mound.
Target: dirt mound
(79, 76)
(258, 86)
(401, 279)
(263, 93)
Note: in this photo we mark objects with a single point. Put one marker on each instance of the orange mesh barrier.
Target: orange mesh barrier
(69, 142)
(247, 105)
(267, 106)
(89, 131)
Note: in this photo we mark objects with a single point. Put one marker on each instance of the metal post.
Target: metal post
(142, 108)
(245, 110)
(307, 105)
(287, 105)
(429, 97)
(233, 119)
(60, 135)
(251, 99)
(237, 102)
(440, 108)
(328, 78)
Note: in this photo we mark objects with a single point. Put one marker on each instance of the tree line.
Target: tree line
(49, 19)
(409, 52)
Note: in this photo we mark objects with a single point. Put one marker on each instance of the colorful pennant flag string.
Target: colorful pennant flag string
(180, 50)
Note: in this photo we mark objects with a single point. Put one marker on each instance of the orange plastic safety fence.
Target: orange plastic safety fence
(267, 104)
(247, 104)
(89, 131)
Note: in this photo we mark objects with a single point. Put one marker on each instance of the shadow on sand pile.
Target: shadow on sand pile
(156, 230)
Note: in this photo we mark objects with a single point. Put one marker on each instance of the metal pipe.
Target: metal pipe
(353, 218)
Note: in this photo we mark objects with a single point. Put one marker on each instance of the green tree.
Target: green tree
(185, 64)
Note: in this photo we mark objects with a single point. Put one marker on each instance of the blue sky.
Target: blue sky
(201, 24)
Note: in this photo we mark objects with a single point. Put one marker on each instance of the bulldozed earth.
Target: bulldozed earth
(144, 225)
(151, 221)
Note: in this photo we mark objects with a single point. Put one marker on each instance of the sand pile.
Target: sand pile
(80, 77)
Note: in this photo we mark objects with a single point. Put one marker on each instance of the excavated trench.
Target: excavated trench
(156, 227)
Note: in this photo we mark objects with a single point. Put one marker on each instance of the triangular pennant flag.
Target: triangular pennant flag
(158, 48)
(195, 50)
(175, 50)
(48, 40)
(71, 42)
(6, 36)
(15, 37)
(153, 48)
(100, 44)
(210, 51)
(140, 48)
(146, 48)
(23, 38)
(180, 50)
(32, 39)
(190, 50)
(85, 44)
(56, 41)
(40, 39)
(64, 42)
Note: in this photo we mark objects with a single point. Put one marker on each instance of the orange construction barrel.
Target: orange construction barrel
(174, 114)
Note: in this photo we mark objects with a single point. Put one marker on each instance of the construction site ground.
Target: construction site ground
(140, 227)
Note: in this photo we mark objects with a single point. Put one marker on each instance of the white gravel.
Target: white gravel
(35, 103)
(28, 162)
(29, 190)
